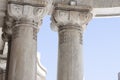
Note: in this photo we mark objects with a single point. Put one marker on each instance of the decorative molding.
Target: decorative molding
(73, 7)
(43, 4)
(70, 15)
(25, 14)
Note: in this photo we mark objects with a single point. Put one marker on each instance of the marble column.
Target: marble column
(70, 22)
(23, 54)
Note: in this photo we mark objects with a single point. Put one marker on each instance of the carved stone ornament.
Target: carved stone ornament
(7, 29)
(70, 15)
(23, 12)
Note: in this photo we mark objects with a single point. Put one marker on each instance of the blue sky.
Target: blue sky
(101, 48)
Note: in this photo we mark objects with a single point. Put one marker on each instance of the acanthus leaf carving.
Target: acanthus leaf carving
(70, 16)
(15, 11)
(26, 12)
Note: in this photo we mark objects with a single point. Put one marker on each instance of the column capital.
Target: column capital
(27, 13)
(24, 13)
(70, 15)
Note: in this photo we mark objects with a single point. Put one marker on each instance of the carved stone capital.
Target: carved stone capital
(71, 16)
(27, 13)
(23, 13)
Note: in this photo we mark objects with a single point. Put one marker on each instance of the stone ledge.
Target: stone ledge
(23, 3)
(73, 8)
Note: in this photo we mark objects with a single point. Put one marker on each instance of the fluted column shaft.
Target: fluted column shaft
(23, 54)
(70, 22)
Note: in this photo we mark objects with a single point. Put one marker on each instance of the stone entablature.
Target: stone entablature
(101, 8)
(93, 3)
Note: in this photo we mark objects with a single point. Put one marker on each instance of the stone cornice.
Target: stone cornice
(25, 3)
(73, 7)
